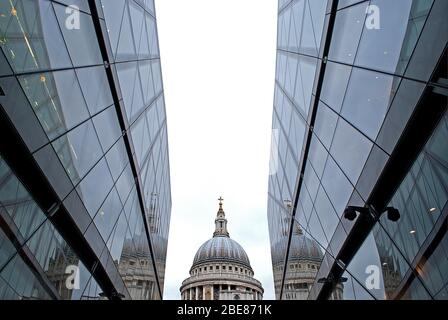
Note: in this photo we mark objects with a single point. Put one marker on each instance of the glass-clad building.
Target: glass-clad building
(358, 184)
(85, 195)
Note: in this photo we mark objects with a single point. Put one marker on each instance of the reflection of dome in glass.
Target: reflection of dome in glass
(138, 247)
(302, 248)
(221, 248)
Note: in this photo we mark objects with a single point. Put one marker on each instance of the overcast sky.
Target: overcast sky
(218, 64)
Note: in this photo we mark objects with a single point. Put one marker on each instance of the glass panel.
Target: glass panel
(327, 216)
(317, 156)
(335, 84)
(83, 5)
(311, 181)
(107, 215)
(93, 193)
(92, 291)
(22, 282)
(82, 42)
(7, 250)
(325, 124)
(305, 81)
(416, 291)
(78, 151)
(366, 268)
(125, 183)
(315, 229)
(31, 38)
(393, 264)
(107, 127)
(367, 100)
(337, 186)
(136, 12)
(152, 32)
(127, 76)
(113, 14)
(433, 271)
(18, 203)
(390, 47)
(95, 88)
(421, 196)
(56, 99)
(147, 82)
(344, 290)
(58, 261)
(126, 49)
(400, 111)
(117, 158)
(350, 150)
(347, 31)
(308, 44)
(157, 76)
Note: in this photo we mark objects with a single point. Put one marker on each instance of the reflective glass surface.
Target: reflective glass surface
(337, 120)
(91, 111)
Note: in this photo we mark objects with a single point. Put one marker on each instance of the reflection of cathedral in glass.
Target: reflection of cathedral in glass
(221, 269)
(304, 259)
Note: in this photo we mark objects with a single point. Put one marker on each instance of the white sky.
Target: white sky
(218, 64)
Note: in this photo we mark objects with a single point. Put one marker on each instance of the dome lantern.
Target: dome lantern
(220, 222)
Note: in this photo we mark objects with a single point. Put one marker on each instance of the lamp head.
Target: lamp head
(393, 214)
(350, 213)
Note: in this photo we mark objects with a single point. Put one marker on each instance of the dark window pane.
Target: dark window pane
(92, 192)
(78, 151)
(107, 127)
(95, 87)
(56, 99)
(82, 42)
(32, 39)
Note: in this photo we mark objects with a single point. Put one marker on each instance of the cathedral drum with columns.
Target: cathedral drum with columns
(221, 269)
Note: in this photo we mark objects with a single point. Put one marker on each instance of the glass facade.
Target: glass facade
(360, 122)
(85, 195)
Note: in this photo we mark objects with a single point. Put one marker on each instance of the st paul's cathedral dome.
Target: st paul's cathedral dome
(221, 269)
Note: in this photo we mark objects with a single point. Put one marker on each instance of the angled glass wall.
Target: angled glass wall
(353, 79)
(84, 180)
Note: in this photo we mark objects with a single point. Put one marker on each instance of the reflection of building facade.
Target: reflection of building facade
(221, 269)
(136, 271)
(135, 265)
(359, 134)
(84, 171)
